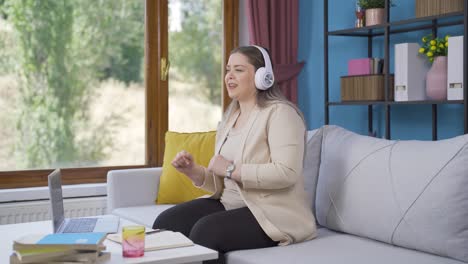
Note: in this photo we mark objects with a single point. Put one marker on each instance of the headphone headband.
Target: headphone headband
(266, 58)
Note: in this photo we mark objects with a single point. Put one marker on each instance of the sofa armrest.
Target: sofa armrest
(133, 187)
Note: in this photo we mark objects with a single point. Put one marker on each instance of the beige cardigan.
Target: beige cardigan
(271, 163)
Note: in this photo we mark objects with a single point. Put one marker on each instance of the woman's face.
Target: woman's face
(240, 78)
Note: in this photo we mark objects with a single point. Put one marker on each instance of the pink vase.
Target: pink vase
(436, 79)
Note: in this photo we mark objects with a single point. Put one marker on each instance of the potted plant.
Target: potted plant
(435, 50)
(375, 11)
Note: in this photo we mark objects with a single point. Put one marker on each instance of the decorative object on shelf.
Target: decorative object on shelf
(360, 66)
(435, 49)
(436, 79)
(365, 88)
(360, 12)
(365, 66)
(455, 68)
(437, 7)
(375, 11)
(410, 73)
(374, 16)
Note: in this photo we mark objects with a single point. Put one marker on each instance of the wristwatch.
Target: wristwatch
(230, 168)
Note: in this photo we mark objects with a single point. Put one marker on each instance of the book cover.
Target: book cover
(79, 256)
(28, 255)
(361, 66)
(160, 240)
(73, 256)
(97, 257)
(377, 64)
(78, 241)
(72, 238)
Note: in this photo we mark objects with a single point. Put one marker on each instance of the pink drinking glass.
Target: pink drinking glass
(133, 241)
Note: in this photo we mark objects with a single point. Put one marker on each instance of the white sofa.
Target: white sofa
(336, 155)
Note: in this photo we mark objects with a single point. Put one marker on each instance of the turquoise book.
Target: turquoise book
(72, 238)
(78, 241)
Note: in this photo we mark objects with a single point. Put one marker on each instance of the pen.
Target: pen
(154, 231)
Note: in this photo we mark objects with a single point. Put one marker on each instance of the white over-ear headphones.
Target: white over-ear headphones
(264, 77)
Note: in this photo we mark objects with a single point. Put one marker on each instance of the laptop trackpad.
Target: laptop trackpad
(107, 225)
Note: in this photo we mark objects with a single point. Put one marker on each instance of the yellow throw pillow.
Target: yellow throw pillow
(175, 187)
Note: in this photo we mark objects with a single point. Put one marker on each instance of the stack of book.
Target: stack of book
(60, 248)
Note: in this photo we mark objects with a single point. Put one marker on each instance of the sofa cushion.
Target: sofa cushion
(312, 163)
(143, 215)
(336, 248)
(175, 187)
(407, 193)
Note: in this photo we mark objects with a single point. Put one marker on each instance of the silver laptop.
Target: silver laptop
(105, 224)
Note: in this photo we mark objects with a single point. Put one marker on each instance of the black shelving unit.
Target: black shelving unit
(386, 29)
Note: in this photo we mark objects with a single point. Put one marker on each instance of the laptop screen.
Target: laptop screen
(56, 199)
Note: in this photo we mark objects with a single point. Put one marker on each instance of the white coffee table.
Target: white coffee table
(192, 254)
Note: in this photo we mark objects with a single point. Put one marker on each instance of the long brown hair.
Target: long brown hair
(264, 97)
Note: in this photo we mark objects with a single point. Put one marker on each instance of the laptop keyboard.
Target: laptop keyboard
(80, 225)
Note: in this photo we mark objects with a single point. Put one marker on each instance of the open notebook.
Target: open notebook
(160, 240)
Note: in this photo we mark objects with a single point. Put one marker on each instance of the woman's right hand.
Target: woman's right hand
(184, 163)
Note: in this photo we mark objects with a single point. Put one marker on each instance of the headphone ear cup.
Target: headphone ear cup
(263, 79)
(268, 79)
(259, 78)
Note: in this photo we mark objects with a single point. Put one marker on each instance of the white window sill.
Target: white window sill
(42, 193)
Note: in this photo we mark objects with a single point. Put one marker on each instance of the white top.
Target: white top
(231, 198)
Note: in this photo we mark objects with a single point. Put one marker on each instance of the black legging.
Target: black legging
(207, 223)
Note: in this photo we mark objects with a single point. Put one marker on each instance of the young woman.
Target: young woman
(255, 175)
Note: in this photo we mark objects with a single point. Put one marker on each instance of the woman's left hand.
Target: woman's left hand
(218, 165)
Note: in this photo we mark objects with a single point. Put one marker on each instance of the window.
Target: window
(72, 87)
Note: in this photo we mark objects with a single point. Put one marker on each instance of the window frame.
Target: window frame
(156, 98)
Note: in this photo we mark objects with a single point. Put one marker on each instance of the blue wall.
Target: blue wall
(407, 121)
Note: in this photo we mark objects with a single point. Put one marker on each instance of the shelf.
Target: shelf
(408, 25)
(372, 31)
(384, 32)
(415, 24)
(429, 102)
(357, 103)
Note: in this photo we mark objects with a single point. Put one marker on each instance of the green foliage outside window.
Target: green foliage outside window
(64, 48)
(196, 47)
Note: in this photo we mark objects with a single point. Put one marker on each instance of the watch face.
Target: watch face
(230, 167)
